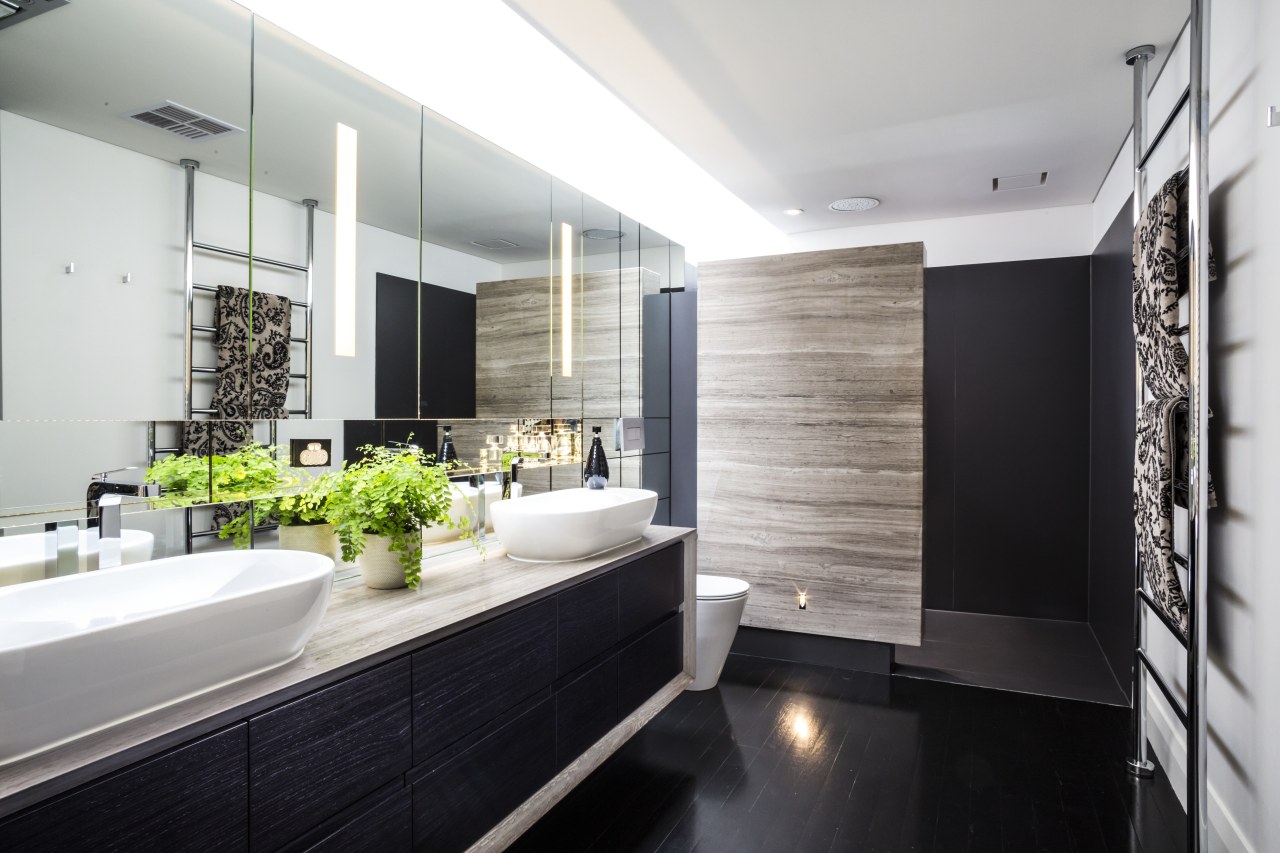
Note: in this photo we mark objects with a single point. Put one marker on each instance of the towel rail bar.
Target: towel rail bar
(1183, 100)
(1170, 697)
(1160, 614)
(236, 253)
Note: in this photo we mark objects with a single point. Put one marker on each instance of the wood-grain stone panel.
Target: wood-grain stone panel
(811, 437)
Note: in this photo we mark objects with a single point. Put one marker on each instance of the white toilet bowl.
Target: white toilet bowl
(720, 604)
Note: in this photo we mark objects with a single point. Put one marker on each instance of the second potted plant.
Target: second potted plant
(378, 507)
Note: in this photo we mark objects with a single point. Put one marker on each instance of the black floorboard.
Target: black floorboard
(1044, 656)
(790, 757)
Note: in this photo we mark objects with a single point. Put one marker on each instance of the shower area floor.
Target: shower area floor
(1042, 656)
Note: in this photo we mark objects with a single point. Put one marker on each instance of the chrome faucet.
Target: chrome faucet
(100, 486)
(102, 503)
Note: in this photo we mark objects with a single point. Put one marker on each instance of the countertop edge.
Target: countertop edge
(91, 758)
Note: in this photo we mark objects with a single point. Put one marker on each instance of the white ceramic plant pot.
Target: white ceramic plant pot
(314, 538)
(380, 567)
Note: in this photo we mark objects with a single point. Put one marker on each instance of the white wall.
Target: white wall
(1244, 170)
(1053, 232)
(88, 346)
(69, 352)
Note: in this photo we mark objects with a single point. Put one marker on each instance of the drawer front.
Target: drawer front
(193, 798)
(587, 622)
(386, 827)
(317, 755)
(650, 588)
(465, 681)
(464, 798)
(645, 666)
(586, 709)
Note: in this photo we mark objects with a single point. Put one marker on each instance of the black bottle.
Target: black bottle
(448, 455)
(596, 473)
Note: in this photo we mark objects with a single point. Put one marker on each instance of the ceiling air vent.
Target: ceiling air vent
(496, 243)
(183, 121)
(1019, 182)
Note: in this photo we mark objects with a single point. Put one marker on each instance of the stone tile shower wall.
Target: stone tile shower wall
(811, 437)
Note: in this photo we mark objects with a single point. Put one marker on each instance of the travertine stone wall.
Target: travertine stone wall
(811, 437)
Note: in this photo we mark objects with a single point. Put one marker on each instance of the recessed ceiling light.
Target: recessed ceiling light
(854, 204)
(603, 234)
(793, 211)
(1028, 181)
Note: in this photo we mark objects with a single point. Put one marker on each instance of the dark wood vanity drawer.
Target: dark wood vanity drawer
(193, 798)
(586, 709)
(465, 681)
(647, 664)
(465, 797)
(587, 622)
(649, 589)
(317, 755)
(384, 827)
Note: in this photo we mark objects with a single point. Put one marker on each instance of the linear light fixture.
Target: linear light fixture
(566, 299)
(344, 243)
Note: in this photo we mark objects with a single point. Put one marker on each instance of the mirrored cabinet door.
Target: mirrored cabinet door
(100, 105)
(337, 189)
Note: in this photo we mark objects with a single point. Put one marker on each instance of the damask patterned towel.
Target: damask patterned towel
(1156, 285)
(1153, 507)
(254, 387)
(1163, 359)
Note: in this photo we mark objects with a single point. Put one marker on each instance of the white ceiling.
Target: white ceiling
(794, 103)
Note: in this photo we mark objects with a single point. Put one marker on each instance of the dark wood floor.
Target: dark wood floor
(789, 757)
(1044, 656)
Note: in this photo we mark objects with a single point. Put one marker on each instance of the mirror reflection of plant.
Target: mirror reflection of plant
(250, 472)
(392, 492)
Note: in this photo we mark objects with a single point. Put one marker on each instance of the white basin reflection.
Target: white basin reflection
(22, 558)
(572, 524)
(82, 652)
(464, 509)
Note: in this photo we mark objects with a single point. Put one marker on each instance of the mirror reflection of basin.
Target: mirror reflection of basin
(22, 558)
(82, 652)
(464, 509)
(572, 524)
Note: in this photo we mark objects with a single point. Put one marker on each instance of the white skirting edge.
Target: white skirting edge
(1169, 742)
(515, 824)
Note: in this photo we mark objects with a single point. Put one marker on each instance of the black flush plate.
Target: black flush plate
(27, 9)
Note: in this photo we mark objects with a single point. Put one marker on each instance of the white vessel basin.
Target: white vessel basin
(572, 524)
(82, 652)
(22, 558)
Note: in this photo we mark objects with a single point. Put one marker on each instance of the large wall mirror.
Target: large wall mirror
(375, 271)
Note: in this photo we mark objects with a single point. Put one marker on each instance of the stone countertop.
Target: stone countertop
(361, 628)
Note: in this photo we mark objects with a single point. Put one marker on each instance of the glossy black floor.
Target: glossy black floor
(787, 757)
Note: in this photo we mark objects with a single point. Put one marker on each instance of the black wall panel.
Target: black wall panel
(1010, 439)
(1111, 430)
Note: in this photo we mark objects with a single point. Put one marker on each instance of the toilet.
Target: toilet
(720, 604)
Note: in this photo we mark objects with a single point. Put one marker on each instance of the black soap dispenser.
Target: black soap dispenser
(448, 455)
(596, 472)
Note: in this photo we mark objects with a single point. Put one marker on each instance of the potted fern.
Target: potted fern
(304, 524)
(379, 506)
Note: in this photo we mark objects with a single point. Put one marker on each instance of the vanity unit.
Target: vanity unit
(441, 720)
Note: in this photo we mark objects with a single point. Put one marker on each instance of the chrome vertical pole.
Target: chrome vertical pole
(1198, 417)
(310, 204)
(1139, 764)
(189, 166)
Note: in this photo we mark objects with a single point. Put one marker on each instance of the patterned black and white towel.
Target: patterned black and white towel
(1157, 284)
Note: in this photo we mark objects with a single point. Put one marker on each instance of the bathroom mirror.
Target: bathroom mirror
(99, 102)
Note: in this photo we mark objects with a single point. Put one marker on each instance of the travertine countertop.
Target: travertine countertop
(361, 628)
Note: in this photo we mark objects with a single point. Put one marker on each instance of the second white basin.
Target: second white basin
(22, 558)
(572, 524)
